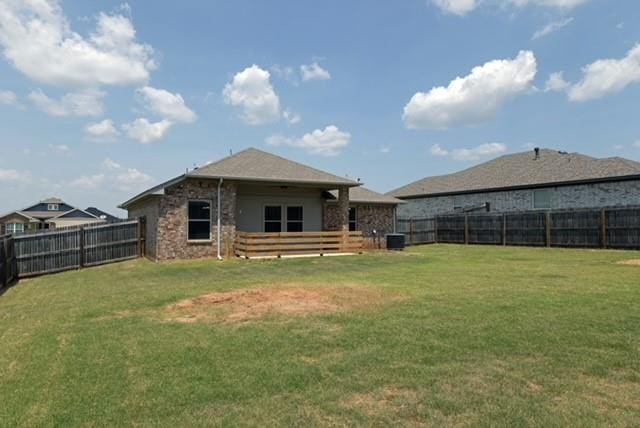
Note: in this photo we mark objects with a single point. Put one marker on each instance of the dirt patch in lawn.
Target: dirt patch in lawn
(248, 304)
(632, 262)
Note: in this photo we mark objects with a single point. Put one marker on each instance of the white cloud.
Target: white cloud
(560, 4)
(61, 149)
(38, 41)
(474, 98)
(314, 72)
(146, 132)
(251, 90)
(551, 28)
(327, 142)
(165, 104)
(8, 98)
(607, 76)
(457, 7)
(290, 117)
(87, 102)
(102, 131)
(556, 83)
(474, 153)
(113, 176)
(13, 175)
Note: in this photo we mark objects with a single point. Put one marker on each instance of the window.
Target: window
(353, 223)
(458, 202)
(199, 221)
(542, 199)
(14, 228)
(294, 219)
(273, 218)
(52, 207)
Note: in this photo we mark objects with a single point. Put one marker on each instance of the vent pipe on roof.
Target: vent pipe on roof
(537, 152)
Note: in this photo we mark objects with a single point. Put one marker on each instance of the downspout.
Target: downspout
(218, 225)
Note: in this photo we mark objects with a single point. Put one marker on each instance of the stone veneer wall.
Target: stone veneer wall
(608, 194)
(170, 220)
(368, 218)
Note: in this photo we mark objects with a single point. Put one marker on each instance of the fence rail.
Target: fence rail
(251, 245)
(617, 228)
(70, 248)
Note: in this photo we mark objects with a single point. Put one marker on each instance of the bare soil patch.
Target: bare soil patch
(632, 262)
(248, 304)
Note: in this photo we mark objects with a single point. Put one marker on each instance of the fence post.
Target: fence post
(603, 228)
(5, 261)
(81, 232)
(435, 230)
(548, 228)
(466, 228)
(142, 236)
(411, 230)
(504, 229)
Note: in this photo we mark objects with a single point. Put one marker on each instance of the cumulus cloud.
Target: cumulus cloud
(462, 7)
(8, 98)
(87, 102)
(290, 117)
(313, 72)
(146, 132)
(467, 154)
(556, 83)
(102, 131)
(38, 41)
(165, 104)
(113, 176)
(607, 76)
(551, 27)
(13, 175)
(327, 142)
(474, 98)
(251, 90)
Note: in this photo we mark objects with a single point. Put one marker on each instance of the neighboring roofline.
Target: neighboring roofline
(28, 217)
(70, 211)
(520, 187)
(152, 191)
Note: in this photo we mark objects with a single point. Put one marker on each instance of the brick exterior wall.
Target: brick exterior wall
(168, 220)
(619, 193)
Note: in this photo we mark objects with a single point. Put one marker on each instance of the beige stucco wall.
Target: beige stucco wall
(68, 222)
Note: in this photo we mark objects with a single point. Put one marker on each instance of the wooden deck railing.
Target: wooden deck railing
(250, 245)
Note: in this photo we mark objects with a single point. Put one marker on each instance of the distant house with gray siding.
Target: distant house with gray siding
(540, 179)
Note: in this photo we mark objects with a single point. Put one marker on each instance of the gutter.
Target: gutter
(218, 224)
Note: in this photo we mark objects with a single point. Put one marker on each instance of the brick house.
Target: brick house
(540, 179)
(197, 214)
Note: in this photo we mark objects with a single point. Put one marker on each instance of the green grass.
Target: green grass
(482, 336)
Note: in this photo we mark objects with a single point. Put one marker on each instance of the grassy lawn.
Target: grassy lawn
(436, 335)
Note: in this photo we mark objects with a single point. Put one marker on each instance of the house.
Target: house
(103, 215)
(198, 213)
(46, 214)
(540, 179)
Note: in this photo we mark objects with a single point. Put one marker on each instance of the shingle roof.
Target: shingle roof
(522, 170)
(367, 196)
(255, 165)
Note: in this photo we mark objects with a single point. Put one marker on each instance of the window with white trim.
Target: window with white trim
(53, 207)
(14, 228)
(295, 218)
(542, 199)
(272, 218)
(353, 219)
(199, 220)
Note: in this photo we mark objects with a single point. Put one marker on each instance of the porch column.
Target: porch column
(343, 215)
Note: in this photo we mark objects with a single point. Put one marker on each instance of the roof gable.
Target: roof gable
(257, 165)
(363, 195)
(522, 170)
(76, 213)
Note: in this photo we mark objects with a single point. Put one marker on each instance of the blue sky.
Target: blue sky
(99, 100)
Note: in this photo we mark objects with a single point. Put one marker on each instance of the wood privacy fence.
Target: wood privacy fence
(71, 248)
(617, 228)
(8, 271)
(249, 245)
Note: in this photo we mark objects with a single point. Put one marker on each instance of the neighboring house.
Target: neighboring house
(103, 215)
(535, 180)
(47, 214)
(252, 191)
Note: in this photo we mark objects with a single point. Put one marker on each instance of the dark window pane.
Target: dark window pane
(272, 226)
(352, 214)
(273, 213)
(294, 213)
(352, 226)
(199, 210)
(294, 226)
(199, 230)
